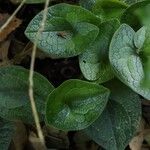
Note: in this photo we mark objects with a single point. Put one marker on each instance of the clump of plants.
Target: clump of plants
(112, 41)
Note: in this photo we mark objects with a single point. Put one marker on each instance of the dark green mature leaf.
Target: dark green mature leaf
(131, 15)
(75, 104)
(94, 62)
(108, 9)
(87, 3)
(6, 133)
(118, 123)
(68, 31)
(126, 61)
(14, 99)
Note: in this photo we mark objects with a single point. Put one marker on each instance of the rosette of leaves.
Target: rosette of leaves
(14, 99)
(118, 123)
(75, 104)
(68, 31)
(137, 14)
(94, 62)
(129, 57)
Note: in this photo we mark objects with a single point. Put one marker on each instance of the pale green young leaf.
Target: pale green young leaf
(75, 104)
(139, 38)
(88, 4)
(94, 62)
(126, 61)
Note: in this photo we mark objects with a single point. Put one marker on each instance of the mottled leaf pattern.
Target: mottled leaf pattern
(75, 104)
(118, 123)
(68, 31)
(126, 62)
(94, 62)
(14, 99)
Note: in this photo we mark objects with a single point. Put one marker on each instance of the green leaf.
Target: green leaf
(6, 133)
(131, 14)
(75, 104)
(108, 9)
(14, 99)
(118, 123)
(87, 3)
(143, 15)
(94, 62)
(126, 61)
(68, 31)
(146, 43)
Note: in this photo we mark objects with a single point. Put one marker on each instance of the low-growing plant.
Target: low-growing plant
(112, 41)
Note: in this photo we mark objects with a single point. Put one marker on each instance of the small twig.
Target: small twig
(31, 83)
(12, 16)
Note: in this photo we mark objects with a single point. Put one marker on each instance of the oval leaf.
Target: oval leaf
(14, 99)
(68, 31)
(118, 123)
(139, 38)
(75, 104)
(94, 62)
(125, 60)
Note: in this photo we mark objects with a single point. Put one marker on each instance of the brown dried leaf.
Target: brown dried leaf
(20, 138)
(56, 138)
(35, 141)
(3, 18)
(4, 46)
(14, 23)
(137, 141)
